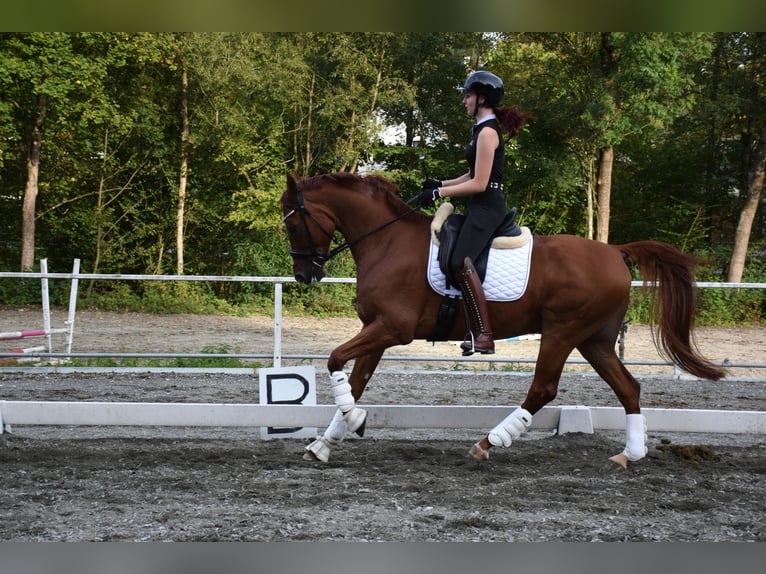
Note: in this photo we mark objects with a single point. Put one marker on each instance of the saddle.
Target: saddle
(445, 230)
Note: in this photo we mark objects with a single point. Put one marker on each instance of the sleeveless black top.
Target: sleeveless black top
(493, 195)
(486, 210)
(498, 161)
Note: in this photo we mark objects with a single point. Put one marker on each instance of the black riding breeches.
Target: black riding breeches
(482, 219)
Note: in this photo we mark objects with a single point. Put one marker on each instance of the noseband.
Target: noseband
(320, 258)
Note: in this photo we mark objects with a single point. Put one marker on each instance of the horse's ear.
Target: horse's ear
(292, 183)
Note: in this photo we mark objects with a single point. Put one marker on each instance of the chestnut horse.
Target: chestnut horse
(576, 298)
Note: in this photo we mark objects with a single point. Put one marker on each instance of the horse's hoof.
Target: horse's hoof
(356, 420)
(620, 460)
(478, 453)
(361, 429)
(318, 451)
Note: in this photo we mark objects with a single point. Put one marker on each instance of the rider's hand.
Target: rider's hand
(428, 197)
(431, 183)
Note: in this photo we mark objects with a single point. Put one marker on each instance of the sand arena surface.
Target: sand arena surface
(191, 484)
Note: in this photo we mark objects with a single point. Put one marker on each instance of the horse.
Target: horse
(576, 297)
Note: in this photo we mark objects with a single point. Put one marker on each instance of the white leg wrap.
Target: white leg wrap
(635, 438)
(341, 390)
(353, 416)
(333, 436)
(510, 428)
(337, 429)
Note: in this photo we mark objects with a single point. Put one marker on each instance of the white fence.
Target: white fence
(47, 330)
(379, 416)
(276, 356)
(384, 416)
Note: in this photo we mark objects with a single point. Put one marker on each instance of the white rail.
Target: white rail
(379, 416)
(278, 282)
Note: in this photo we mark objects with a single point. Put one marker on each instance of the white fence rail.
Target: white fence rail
(379, 416)
(276, 356)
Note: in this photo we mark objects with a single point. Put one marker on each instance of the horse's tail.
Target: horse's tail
(673, 304)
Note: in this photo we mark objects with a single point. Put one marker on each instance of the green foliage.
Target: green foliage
(683, 109)
(159, 297)
(731, 307)
(179, 362)
(716, 307)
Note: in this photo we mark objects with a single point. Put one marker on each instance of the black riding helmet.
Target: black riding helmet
(486, 84)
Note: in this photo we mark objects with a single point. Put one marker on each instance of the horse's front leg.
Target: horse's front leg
(366, 348)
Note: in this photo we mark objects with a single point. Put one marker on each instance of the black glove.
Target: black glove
(431, 183)
(428, 197)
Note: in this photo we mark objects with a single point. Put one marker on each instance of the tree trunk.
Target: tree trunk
(30, 192)
(604, 193)
(99, 214)
(747, 215)
(183, 170)
(307, 159)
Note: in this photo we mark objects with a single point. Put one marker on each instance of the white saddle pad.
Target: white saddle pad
(507, 273)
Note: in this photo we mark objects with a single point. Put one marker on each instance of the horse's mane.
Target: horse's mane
(376, 184)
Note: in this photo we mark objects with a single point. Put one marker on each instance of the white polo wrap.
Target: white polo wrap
(337, 428)
(332, 437)
(635, 437)
(510, 428)
(341, 390)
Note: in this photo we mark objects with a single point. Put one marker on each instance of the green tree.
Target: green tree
(603, 88)
(73, 124)
(745, 85)
(52, 80)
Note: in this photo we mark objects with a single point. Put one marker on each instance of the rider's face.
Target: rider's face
(469, 101)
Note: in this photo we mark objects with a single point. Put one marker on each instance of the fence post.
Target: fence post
(277, 325)
(46, 304)
(72, 304)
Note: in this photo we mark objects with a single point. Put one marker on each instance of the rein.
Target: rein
(324, 257)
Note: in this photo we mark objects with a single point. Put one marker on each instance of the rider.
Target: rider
(483, 184)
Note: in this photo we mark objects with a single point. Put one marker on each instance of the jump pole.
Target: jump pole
(16, 361)
(47, 331)
(8, 335)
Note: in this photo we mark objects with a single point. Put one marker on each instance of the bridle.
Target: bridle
(318, 257)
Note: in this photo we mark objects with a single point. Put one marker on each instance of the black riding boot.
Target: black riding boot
(476, 303)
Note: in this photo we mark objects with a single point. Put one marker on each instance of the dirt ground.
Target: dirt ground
(101, 332)
(226, 484)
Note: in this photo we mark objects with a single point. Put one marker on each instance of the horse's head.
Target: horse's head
(310, 234)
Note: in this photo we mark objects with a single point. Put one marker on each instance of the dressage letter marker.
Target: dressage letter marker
(287, 386)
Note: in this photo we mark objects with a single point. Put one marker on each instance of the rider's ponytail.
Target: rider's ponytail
(511, 120)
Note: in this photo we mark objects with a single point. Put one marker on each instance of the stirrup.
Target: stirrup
(468, 346)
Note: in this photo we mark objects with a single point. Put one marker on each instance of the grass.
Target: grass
(174, 362)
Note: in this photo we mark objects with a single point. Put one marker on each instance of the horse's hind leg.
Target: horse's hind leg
(600, 353)
(553, 354)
